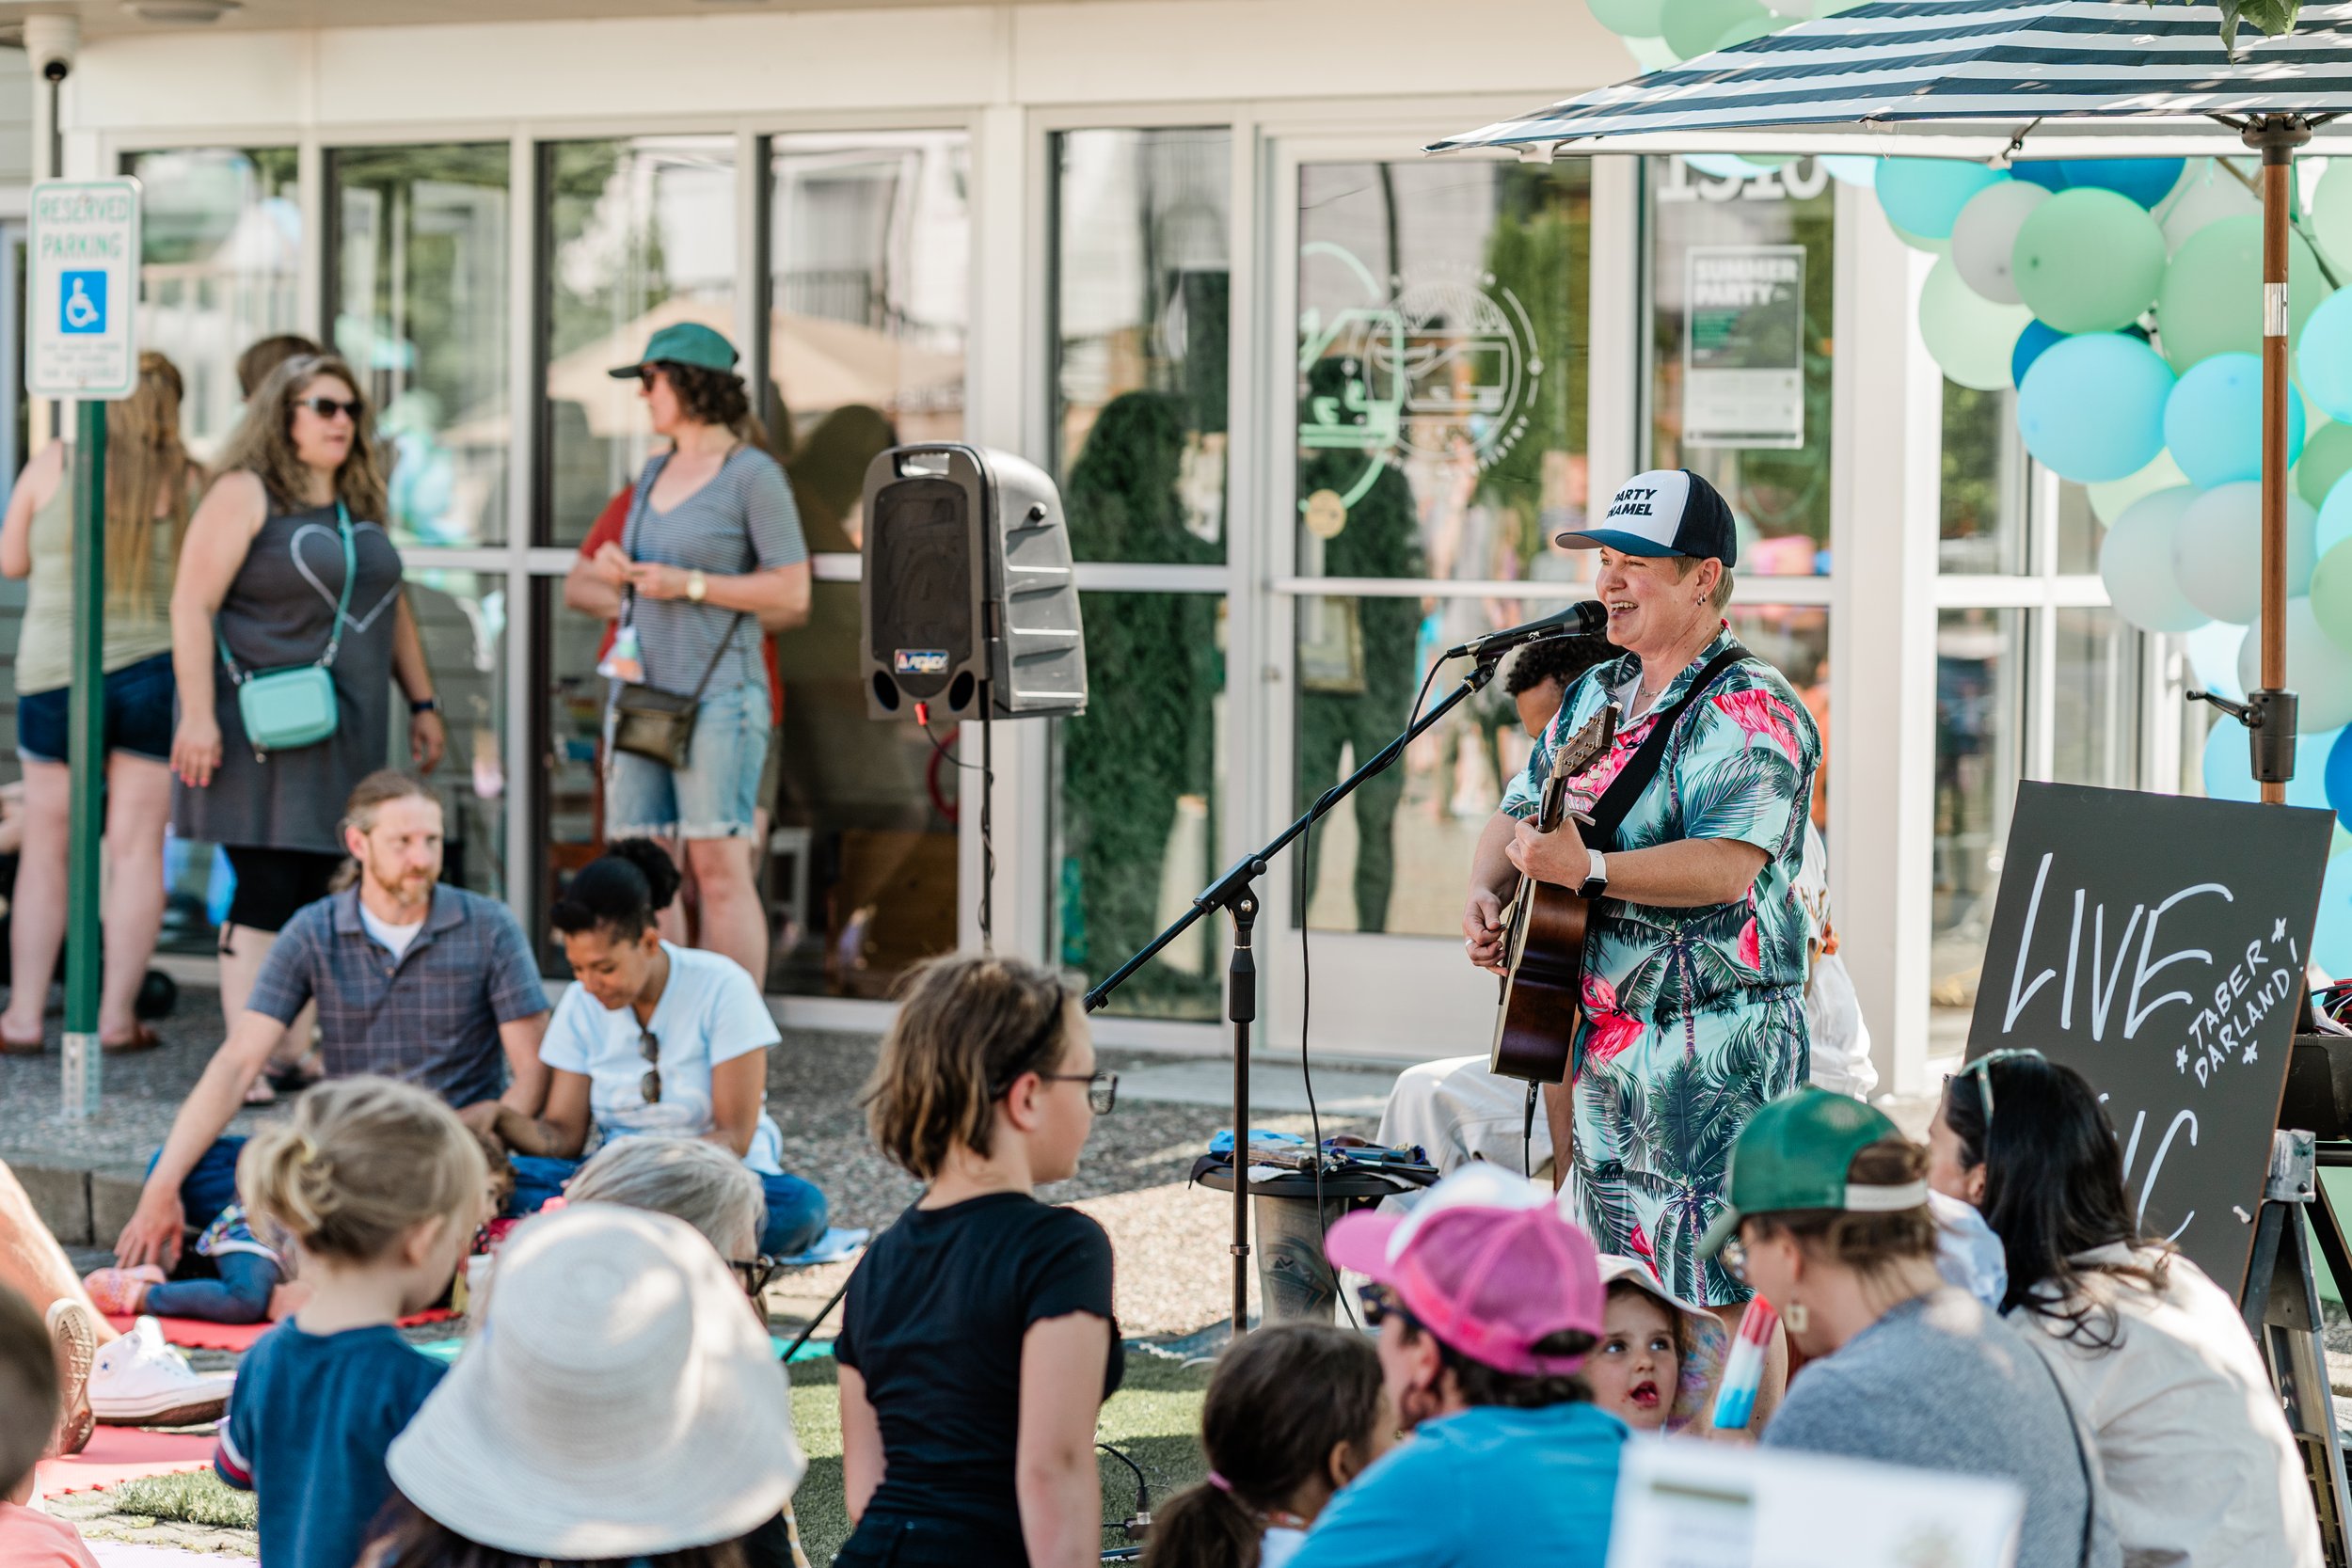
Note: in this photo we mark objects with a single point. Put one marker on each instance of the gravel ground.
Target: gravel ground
(1170, 1239)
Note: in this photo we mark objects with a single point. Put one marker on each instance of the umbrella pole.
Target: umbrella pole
(2271, 732)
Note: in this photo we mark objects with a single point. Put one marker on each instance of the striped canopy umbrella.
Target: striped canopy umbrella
(2017, 79)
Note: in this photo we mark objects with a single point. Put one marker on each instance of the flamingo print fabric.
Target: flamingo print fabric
(1694, 1017)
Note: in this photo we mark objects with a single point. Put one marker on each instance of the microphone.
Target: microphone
(1578, 620)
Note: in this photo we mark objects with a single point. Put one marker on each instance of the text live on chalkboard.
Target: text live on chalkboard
(2157, 945)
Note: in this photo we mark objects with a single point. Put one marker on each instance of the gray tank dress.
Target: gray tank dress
(276, 612)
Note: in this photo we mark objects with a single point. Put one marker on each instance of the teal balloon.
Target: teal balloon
(2323, 355)
(2332, 938)
(1630, 18)
(1694, 27)
(2088, 261)
(2091, 408)
(1923, 196)
(2213, 420)
(2229, 767)
(1849, 168)
(2210, 300)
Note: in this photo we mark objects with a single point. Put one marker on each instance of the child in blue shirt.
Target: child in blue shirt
(1487, 1300)
(378, 1187)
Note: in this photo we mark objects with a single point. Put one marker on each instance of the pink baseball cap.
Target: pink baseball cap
(1488, 1265)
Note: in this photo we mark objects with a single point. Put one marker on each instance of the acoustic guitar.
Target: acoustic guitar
(1543, 953)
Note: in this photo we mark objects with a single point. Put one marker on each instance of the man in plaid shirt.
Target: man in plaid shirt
(413, 980)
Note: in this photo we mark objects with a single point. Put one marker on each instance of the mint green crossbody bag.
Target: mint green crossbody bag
(287, 709)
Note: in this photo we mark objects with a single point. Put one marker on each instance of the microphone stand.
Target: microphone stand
(1236, 895)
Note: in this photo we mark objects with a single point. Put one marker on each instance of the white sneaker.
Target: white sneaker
(139, 1380)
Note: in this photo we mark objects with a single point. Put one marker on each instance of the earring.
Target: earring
(1796, 1317)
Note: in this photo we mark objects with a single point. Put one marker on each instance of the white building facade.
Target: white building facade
(1315, 403)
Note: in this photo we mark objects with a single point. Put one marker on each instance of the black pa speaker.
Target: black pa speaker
(967, 581)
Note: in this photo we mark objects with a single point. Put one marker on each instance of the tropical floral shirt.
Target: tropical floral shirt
(1693, 1018)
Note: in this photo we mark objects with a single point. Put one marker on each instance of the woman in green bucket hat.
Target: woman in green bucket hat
(711, 554)
(1828, 1220)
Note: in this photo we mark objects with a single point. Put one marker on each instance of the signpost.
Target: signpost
(82, 260)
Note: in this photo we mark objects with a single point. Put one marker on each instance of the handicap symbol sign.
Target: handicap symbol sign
(82, 302)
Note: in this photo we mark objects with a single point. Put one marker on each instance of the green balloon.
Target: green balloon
(1693, 27)
(2088, 261)
(1967, 334)
(2331, 210)
(2331, 595)
(2210, 300)
(2327, 458)
(1630, 18)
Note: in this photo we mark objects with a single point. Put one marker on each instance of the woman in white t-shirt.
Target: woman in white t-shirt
(653, 1038)
(2154, 1356)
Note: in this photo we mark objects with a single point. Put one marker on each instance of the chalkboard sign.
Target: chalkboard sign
(2156, 944)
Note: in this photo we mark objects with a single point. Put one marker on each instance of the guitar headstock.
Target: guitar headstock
(1588, 745)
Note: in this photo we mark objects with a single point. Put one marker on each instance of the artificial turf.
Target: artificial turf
(1155, 1420)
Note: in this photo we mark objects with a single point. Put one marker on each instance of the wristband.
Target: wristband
(424, 704)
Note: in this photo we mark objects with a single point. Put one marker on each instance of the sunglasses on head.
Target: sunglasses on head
(1981, 1070)
(326, 409)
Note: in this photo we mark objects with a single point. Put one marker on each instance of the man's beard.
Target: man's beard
(400, 890)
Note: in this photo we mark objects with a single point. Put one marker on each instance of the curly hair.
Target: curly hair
(1560, 658)
(263, 443)
(1871, 1244)
(709, 397)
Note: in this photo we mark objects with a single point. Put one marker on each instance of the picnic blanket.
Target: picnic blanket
(123, 1453)
(196, 1334)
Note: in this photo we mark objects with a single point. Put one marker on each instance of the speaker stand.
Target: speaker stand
(988, 818)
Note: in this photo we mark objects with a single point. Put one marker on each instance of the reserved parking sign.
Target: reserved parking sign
(82, 255)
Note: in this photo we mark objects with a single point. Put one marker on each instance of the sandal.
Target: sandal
(140, 1038)
(293, 1080)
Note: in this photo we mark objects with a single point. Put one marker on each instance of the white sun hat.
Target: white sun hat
(620, 1399)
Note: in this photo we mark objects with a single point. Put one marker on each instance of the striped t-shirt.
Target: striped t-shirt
(741, 521)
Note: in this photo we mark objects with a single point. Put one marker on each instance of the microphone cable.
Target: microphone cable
(1306, 1065)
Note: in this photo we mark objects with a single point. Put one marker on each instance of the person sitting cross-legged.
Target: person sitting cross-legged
(654, 1038)
(414, 980)
(1489, 1301)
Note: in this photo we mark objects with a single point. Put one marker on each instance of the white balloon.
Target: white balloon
(2136, 563)
(1985, 234)
(2206, 191)
(2218, 549)
(1970, 337)
(2318, 672)
(2110, 497)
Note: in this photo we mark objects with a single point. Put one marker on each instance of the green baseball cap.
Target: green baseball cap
(682, 343)
(1794, 1154)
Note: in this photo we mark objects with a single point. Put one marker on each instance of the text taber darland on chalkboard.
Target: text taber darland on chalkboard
(2156, 944)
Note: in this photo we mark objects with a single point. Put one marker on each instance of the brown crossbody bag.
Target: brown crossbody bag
(648, 721)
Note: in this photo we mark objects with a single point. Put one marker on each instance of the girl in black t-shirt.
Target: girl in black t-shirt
(978, 1341)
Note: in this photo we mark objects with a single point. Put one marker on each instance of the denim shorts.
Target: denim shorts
(711, 797)
(137, 715)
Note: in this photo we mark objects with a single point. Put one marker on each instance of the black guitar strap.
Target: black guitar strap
(1609, 812)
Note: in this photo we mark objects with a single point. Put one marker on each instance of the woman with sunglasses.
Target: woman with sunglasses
(653, 1038)
(1827, 1218)
(287, 563)
(978, 1340)
(710, 555)
(2154, 1355)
